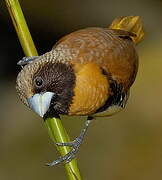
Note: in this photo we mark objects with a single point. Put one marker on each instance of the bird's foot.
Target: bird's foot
(75, 145)
(69, 156)
(27, 60)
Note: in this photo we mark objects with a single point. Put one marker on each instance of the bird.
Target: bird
(88, 72)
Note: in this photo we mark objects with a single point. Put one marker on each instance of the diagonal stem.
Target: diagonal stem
(54, 125)
(21, 27)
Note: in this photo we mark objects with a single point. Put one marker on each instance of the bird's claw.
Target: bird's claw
(54, 162)
(73, 144)
(70, 155)
(27, 60)
(70, 144)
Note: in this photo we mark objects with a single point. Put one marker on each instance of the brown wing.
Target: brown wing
(112, 50)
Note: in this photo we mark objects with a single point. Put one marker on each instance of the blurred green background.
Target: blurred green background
(126, 146)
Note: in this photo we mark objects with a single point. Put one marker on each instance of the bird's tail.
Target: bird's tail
(131, 24)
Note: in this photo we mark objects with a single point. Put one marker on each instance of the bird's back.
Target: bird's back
(112, 50)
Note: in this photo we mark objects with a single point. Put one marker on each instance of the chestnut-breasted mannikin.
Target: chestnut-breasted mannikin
(88, 72)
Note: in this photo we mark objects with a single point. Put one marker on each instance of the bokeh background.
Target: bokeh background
(126, 146)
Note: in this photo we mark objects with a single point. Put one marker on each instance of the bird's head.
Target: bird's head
(45, 85)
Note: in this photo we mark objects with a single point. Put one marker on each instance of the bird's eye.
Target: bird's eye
(38, 82)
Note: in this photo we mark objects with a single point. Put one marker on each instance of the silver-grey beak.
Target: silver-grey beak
(40, 103)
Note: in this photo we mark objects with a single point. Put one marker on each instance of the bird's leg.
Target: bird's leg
(74, 144)
(27, 60)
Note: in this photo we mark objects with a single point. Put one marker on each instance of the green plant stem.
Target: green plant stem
(21, 27)
(54, 125)
(58, 134)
